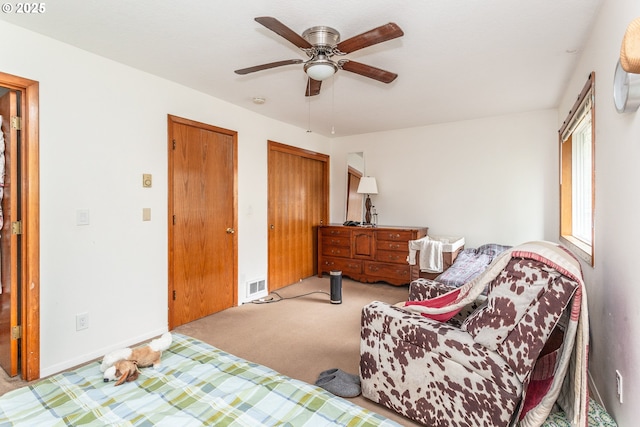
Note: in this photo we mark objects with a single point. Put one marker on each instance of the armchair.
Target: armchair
(495, 367)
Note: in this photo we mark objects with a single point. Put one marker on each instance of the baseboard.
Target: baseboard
(98, 354)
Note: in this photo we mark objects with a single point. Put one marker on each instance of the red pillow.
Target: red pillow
(438, 302)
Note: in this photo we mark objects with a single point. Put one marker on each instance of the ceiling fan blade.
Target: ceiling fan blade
(282, 30)
(267, 66)
(313, 87)
(369, 71)
(377, 35)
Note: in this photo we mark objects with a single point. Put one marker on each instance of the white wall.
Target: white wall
(612, 285)
(492, 180)
(102, 125)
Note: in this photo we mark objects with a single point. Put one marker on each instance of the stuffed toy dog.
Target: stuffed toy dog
(122, 365)
(125, 370)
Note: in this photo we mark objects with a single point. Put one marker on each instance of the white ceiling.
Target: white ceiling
(457, 60)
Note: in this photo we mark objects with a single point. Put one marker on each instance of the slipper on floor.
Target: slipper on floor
(338, 386)
(340, 374)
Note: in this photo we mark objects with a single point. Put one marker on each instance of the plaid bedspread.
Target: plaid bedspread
(196, 385)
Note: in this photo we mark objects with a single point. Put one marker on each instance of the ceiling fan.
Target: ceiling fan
(320, 44)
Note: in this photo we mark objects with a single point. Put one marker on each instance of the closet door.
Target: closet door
(298, 203)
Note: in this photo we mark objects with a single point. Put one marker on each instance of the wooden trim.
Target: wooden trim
(582, 250)
(234, 134)
(30, 268)
(566, 180)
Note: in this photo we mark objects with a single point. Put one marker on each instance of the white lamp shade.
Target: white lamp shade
(321, 70)
(368, 185)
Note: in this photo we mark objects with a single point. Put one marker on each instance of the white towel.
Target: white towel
(430, 254)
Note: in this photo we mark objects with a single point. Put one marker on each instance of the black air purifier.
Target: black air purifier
(336, 287)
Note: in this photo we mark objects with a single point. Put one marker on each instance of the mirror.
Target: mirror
(355, 171)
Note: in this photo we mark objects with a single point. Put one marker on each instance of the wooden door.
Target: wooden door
(9, 273)
(202, 220)
(298, 202)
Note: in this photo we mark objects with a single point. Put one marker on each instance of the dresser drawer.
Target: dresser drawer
(388, 270)
(338, 231)
(399, 257)
(345, 265)
(336, 241)
(395, 235)
(342, 251)
(393, 245)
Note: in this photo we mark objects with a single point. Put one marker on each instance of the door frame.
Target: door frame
(171, 120)
(30, 193)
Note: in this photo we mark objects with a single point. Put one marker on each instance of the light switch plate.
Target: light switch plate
(82, 217)
(146, 180)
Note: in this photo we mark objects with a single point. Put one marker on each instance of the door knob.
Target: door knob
(230, 230)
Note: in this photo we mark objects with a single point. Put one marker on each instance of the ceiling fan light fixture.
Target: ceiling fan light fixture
(320, 69)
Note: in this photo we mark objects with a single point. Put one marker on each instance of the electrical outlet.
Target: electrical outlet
(82, 321)
(619, 385)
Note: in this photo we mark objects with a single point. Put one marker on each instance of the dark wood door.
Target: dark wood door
(202, 220)
(9, 241)
(298, 203)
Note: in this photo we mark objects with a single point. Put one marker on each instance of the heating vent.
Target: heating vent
(256, 287)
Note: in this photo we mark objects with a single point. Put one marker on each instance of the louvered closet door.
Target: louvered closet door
(298, 203)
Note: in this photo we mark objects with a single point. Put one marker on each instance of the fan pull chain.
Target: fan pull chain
(333, 104)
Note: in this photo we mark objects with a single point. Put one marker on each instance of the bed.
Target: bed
(196, 385)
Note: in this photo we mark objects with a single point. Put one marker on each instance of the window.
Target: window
(577, 174)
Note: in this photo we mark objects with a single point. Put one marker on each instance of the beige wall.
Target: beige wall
(491, 180)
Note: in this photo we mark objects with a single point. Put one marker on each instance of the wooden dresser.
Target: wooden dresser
(368, 254)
